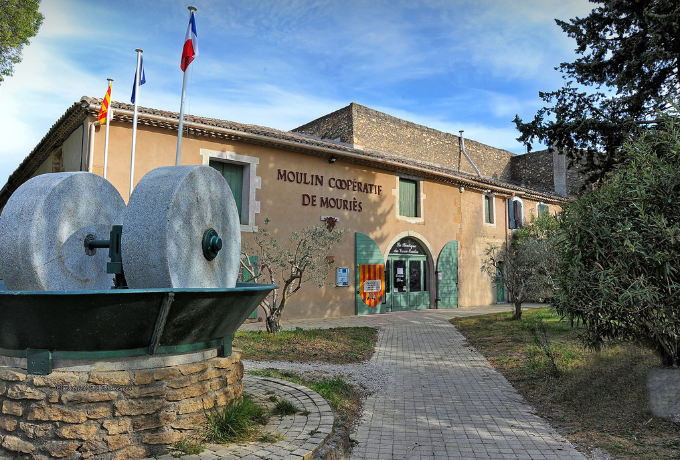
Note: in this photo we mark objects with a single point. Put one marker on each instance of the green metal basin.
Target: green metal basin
(124, 322)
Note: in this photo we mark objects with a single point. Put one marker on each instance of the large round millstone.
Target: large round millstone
(43, 228)
(165, 222)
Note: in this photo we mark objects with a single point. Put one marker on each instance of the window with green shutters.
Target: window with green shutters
(488, 209)
(233, 173)
(515, 213)
(542, 209)
(408, 198)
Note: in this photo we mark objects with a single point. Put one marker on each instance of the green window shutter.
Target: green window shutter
(367, 252)
(487, 209)
(246, 274)
(542, 209)
(408, 198)
(233, 174)
(511, 214)
(447, 267)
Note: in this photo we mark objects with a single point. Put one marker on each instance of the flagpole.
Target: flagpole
(138, 76)
(109, 114)
(181, 108)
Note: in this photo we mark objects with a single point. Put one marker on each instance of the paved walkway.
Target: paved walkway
(446, 402)
(300, 434)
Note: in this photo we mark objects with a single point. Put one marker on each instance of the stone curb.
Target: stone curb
(303, 435)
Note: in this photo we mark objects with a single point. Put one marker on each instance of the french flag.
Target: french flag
(190, 44)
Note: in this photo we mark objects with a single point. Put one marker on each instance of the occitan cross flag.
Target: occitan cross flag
(105, 106)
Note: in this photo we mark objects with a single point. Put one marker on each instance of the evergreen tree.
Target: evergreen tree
(630, 54)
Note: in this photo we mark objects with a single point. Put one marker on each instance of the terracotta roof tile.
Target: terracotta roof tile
(76, 113)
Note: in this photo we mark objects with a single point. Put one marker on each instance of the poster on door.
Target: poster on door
(372, 284)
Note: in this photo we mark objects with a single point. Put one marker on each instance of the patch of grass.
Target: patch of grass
(271, 437)
(342, 345)
(595, 399)
(186, 446)
(284, 407)
(343, 397)
(237, 421)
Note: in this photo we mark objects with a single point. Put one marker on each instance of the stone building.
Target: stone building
(410, 198)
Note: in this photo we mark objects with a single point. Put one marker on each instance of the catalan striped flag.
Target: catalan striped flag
(104, 111)
(372, 284)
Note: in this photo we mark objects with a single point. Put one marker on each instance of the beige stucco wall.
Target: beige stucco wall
(74, 148)
(476, 287)
(447, 213)
(282, 202)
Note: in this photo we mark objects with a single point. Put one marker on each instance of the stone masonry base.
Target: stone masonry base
(112, 410)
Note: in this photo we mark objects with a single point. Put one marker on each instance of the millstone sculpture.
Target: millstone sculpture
(168, 285)
(180, 229)
(43, 228)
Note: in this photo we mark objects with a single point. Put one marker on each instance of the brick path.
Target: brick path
(446, 402)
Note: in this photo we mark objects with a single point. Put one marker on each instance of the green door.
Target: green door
(447, 276)
(399, 283)
(367, 252)
(408, 282)
(407, 285)
(500, 287)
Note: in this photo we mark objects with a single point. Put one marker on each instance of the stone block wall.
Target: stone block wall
(367, 128)
(111, 415)
(534, 170)
(336, 126)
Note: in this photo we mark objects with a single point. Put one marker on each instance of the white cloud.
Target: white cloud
(448, 65)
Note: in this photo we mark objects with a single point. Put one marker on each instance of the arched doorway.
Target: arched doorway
(407, 276)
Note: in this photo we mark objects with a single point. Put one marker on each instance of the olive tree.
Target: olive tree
(300, 260)
(618, 272)
(527, 264)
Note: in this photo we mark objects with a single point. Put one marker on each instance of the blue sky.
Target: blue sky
(449, 65)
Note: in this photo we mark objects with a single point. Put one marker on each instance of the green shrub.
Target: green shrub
(238, 420)
(284, 407)
(618, 272)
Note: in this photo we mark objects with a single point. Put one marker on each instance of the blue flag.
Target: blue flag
(141, 81)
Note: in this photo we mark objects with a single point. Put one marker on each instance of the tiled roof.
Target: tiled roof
(251, 134)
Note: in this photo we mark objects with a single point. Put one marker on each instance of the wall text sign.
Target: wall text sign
(349, 184)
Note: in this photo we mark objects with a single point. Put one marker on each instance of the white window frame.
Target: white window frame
(251, 183)
(492, 202)
(522, 220)
(420, 190)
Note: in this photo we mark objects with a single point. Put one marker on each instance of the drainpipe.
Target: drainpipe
(462, 145)
(90, 147)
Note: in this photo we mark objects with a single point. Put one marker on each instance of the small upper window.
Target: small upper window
(408, 198)
(542, 209)
(515, 213)
(489, 211)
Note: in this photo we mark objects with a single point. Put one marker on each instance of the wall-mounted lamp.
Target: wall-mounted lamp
(487, 191)
(332, 159)
(462, 189)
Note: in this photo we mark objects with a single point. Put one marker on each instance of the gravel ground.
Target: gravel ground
(367, 375)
